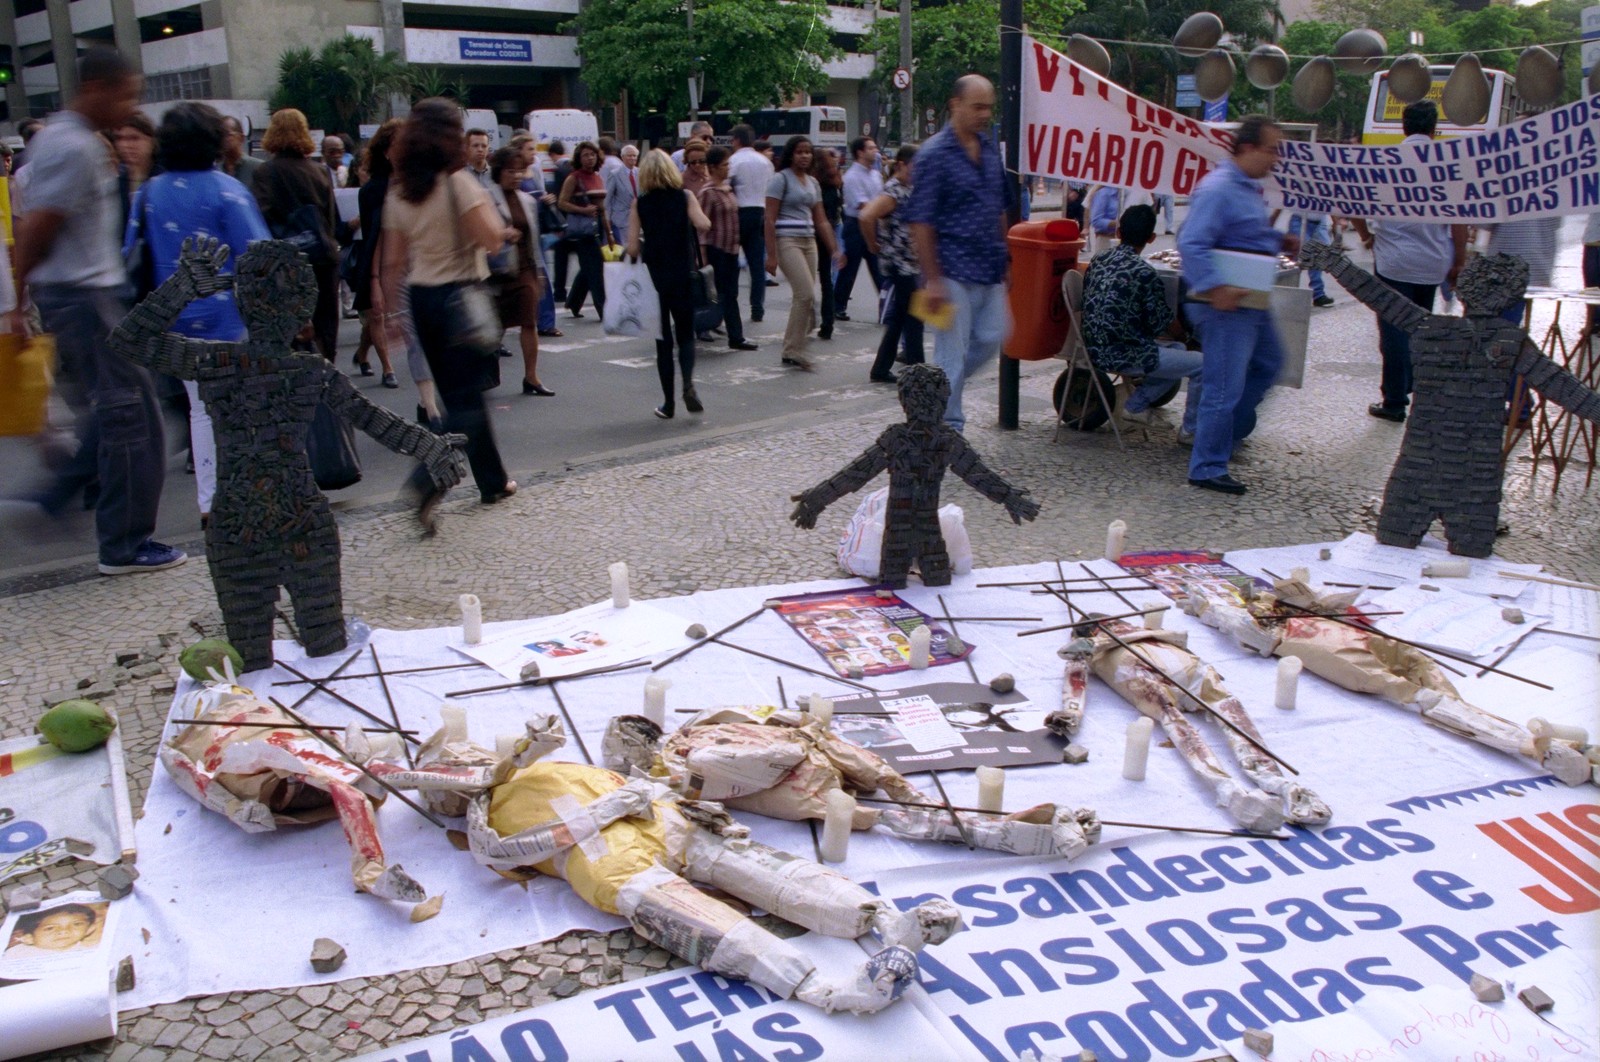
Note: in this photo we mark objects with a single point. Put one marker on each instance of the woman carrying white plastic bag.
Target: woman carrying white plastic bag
(631, 306)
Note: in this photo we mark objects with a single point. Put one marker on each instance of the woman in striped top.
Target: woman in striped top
(795, 222)
(722, 243)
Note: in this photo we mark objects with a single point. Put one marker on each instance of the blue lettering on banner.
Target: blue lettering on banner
(495, 50)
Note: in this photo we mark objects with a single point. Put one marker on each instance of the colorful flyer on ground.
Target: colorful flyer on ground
(597, 636)
(1170, 569)
(869, 627)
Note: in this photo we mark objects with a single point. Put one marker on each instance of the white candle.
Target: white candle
(836, 825)
(1137, 750)
(1300, 575)
(1543, 729)
(821, 709)
(991, 788)
(655, 699)
(619, 585)
(1289, 668)
(1116, 536)
(921, 641)
(1154, 619)
(471, 619)
(1448, 569)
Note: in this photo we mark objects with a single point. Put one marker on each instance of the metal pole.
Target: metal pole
(694, 85)
(909, 127)
(1011, 135)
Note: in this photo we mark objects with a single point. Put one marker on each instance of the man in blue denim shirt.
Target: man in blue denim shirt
(1242, 354)
(957, 214)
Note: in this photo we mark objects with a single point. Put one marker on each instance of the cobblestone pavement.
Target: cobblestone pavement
(711, 513)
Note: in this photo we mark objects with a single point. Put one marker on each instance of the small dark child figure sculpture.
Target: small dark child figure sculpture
(916, 453)
(270, 525)
(1450, 466)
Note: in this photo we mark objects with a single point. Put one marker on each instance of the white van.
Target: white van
(571, 127)
(489, 122)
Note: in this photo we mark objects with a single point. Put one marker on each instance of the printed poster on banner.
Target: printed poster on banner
(1171, 570)
(867, 626)
(581, 640)
(1169, 948)
(947, 726)
(55, 974)
(1077, 126)
(53, 805)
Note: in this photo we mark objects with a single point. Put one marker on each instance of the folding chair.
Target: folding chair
(1077, 357)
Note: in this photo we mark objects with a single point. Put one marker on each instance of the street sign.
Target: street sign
(902, 78)
(929, 115)
(1187, 95)
(1591, 38)
(1217, 111)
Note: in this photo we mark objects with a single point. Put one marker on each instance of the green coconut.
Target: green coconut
(200, 658)
(77, 726)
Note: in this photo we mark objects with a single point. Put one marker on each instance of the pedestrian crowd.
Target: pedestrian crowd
(441, 244)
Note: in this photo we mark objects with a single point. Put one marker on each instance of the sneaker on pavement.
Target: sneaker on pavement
(1322, 300)
(152, 557)
(1185, 438)
(1146, 416)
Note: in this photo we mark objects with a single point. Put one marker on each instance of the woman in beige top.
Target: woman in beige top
(438, 225)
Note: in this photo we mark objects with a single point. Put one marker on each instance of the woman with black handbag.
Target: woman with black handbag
(438, 226)
(583, 200)
(516, 270)
(296, 198)
(665, 219)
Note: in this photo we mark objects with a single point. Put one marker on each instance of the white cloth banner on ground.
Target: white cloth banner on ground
(690, 1016)
(229, 911)
(49, 797)
(1077, 126)
(56, 980)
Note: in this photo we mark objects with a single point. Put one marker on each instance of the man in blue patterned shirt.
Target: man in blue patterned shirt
(1125, 313)
(1242, 353)
(957, 214)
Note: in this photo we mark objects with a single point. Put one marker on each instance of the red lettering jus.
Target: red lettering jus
(1572, 884)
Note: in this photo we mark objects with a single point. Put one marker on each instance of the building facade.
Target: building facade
(511, 55)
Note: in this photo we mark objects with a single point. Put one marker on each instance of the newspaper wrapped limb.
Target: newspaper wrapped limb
(1043, 830)
(670, 912)
(1078, 655)
(574, 825)
(1365, 661)
(1253, 808)
(262, 778)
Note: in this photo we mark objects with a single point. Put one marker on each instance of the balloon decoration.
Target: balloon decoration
(1360, 51)
(1409, 78)
(1466, 93)
(1086, 51)
(1539, 80)
(1267, 67)
(1199, 34)
(1314, 84)
(1213, 75)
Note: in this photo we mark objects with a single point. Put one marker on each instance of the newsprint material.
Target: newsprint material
(947, 726)
(1414, 809)
(49, 799)
(56, 975)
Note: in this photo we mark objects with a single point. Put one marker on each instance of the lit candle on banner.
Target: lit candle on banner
(471, 619)
(921, 643)
(655, 699)
(1137, 750)
(841, 814)
(1289, 669)
(619, 585)
(991, 788)
(1154, 619)
(821, 709)
(1116, 537)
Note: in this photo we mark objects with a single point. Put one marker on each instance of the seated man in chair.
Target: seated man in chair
(1130, 329)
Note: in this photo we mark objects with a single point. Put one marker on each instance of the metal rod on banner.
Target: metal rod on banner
(317, 682)
(548, 680)
(393, 712)
(1096, 579)
(1103, 822)
(686, 650)
(967, 659)
(287, 726)
(961, 827)
(374, 674)
(318, 687)
(571, 726)
(336, 747)
(791, 663)
(1011, 137)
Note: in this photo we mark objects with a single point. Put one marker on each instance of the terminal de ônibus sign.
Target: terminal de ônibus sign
(1079, 127)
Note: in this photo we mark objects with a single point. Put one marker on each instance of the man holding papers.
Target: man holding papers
(1228, 226)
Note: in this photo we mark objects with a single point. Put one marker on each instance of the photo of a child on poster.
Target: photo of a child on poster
(869, 627)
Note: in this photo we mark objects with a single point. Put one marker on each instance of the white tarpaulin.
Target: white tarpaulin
(49, 798)
(227, 910)
(1077, 126)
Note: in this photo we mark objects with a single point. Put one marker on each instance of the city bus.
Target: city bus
(824, 126)
(1381, 122)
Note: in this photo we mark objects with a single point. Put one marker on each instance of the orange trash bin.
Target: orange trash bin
(1041, 252)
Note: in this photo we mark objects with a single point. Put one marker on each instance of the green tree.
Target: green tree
(424, 82)
(953, 38)
(752, 53)
(341, 86)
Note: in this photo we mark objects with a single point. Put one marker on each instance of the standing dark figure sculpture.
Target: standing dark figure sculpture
(270, 525)
(916, 453)
(1450, 463)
